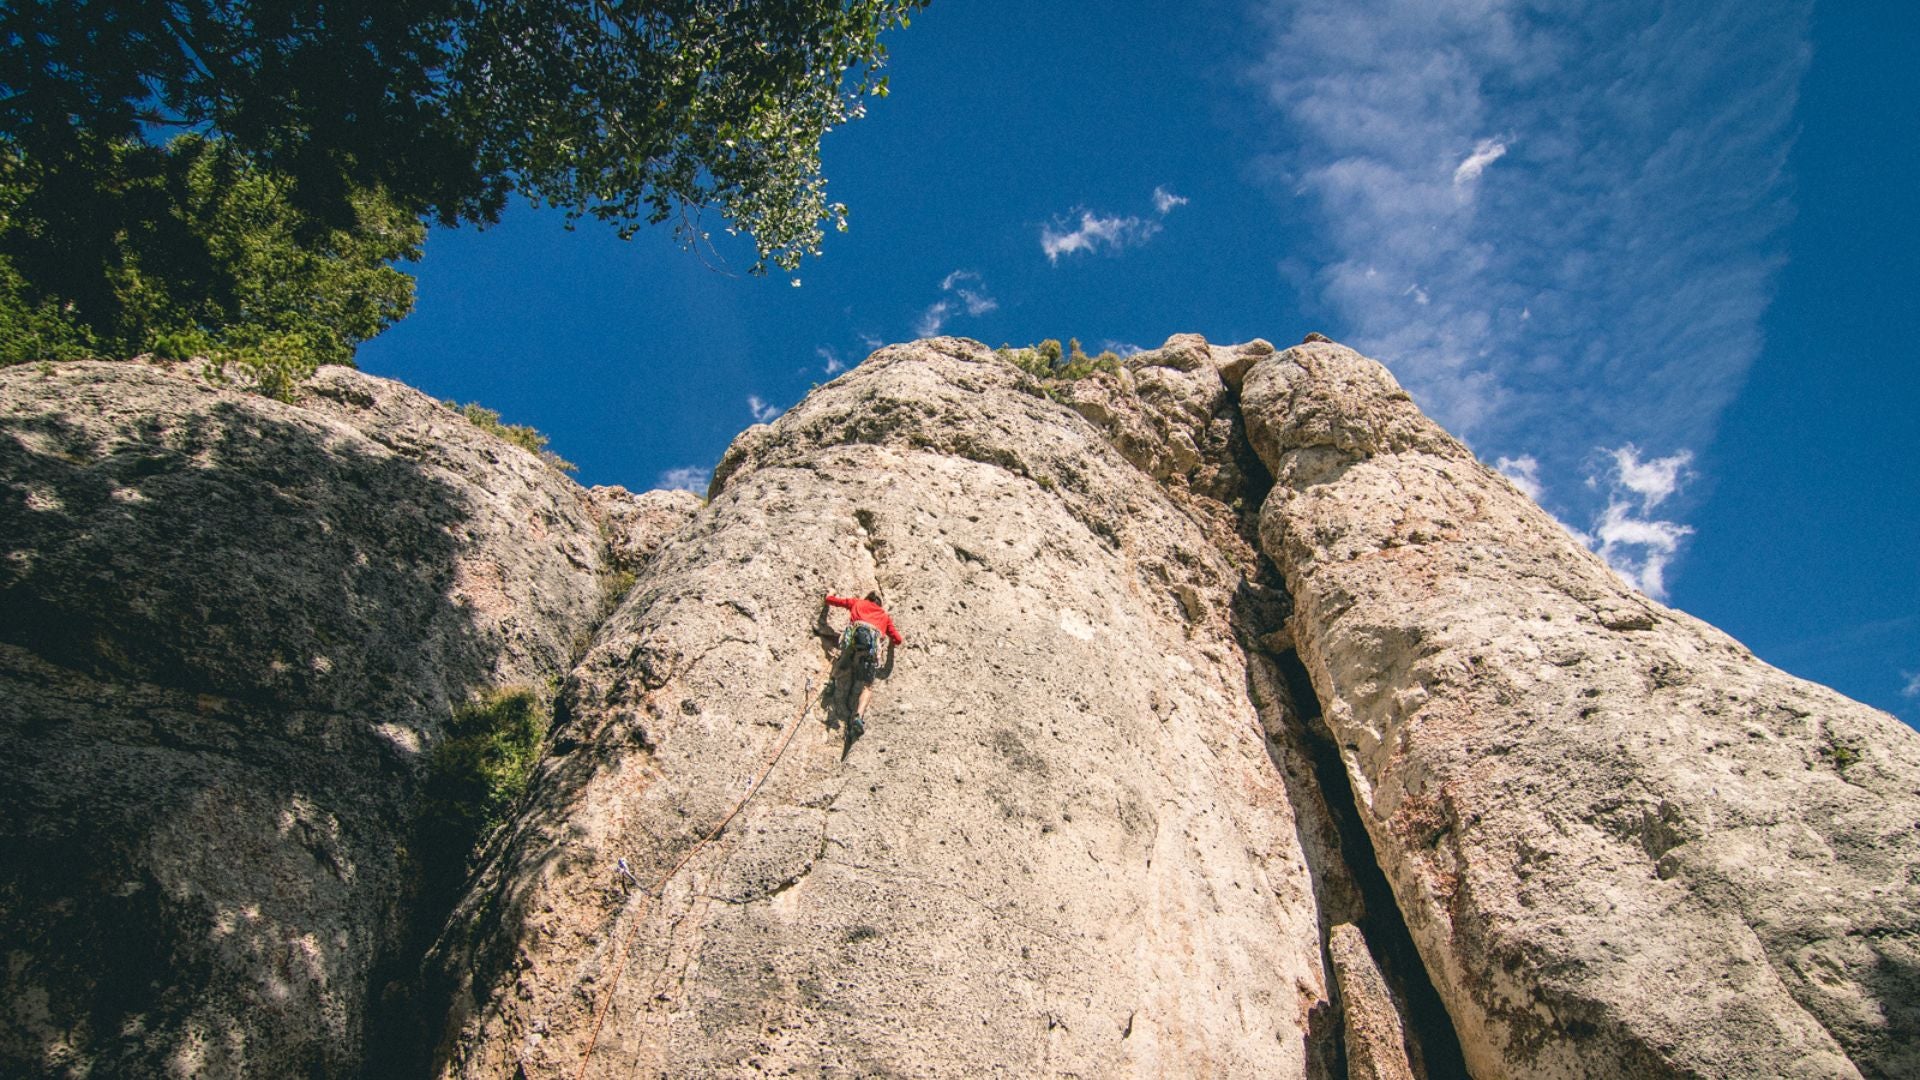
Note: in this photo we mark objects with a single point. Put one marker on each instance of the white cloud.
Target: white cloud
(1609, 289)
(1524, 471)
(833, 364)
(1638, 546)
(871, 341)
(762, 412)
(1639, 549)
(933, 319)
(1113, 234)
(1094, 233)
(968, 292)
(686, 478)
(1652, 480)
(1912, 689)
(1485, 154)
(973, 296)
(1122, 349)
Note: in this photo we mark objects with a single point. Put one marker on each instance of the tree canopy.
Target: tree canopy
(189, 250)
(318, 129)
(628, 111)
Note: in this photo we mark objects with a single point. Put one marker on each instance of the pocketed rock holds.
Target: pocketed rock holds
(1623, 845)
(1060, 847)
(1208, 656)
(228, 628)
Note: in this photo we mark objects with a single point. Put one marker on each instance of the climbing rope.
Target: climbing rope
(660, 890)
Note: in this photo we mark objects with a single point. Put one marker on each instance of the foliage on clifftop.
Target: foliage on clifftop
(526, 437)
(631, 113)
(309, 142)
(1048, 361)
(189, 252)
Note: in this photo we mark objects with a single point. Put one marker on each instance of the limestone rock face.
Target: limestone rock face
(1375, 1045)
(1246, 726)
(228, 628)
(1624, 846)
(1171, 412)
(1060, 847)
(638, 526)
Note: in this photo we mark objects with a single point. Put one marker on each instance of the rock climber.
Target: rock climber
(860, 647)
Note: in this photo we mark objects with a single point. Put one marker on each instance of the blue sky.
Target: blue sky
(1655, 261)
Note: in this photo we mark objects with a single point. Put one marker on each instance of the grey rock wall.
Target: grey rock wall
(229, 627)
(1624, 846)
(1246, 726)
(1059, 849)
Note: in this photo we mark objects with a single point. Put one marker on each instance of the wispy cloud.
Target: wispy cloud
(1485, 154)
(1095, 233)
(965, 291)
(832, 363)
(1558, 223)
(686, 478)
(933, 319)
(1110, 234)
(1912, 689)
(966, 285)
(1654, 481)
(1122, 349)
(1637, 545)
(762, 412)
(1524, 471)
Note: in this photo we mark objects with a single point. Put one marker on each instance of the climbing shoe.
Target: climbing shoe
(857, 726)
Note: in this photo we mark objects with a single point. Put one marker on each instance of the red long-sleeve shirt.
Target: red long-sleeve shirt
(866, 611)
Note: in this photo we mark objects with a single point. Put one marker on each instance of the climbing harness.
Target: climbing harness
(659, 890)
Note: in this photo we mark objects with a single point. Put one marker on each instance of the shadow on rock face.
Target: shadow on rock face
(227, 553)
(225, 629)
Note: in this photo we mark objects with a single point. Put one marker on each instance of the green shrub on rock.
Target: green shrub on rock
(1047, 362)
(481, 767)
(526, 437)
(34, 329)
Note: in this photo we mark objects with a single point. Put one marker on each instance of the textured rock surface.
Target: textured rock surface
(1208, 657)
(228, 626)
(1059, 849)
(638, 526)
(1624, 845)
(1375, 1044)
(1170, 412)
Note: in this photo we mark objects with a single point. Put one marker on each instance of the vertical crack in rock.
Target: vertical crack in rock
(407, 996)
(1060, 845)
(1174, 413)
(1357, 892)
(1621, 843)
